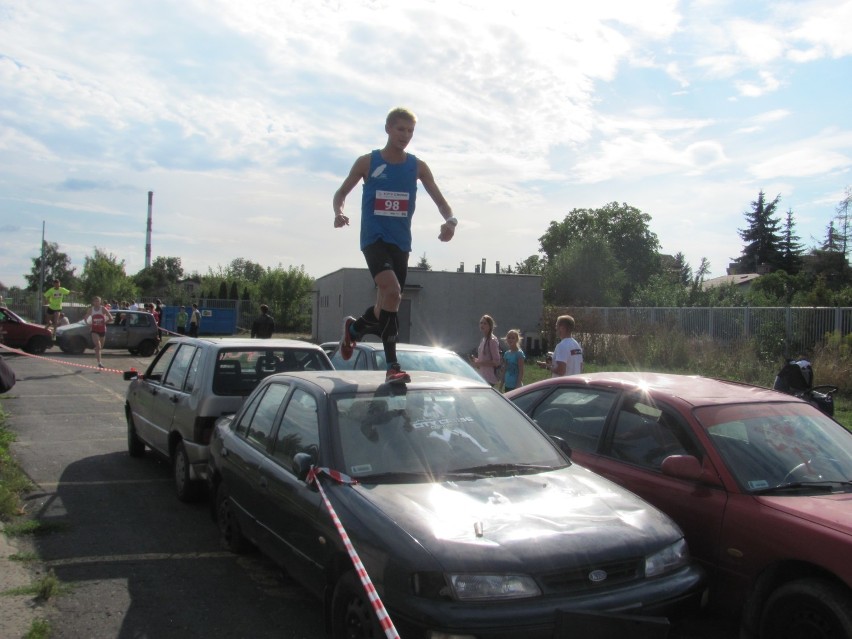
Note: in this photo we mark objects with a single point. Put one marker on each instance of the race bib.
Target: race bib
(391, 203)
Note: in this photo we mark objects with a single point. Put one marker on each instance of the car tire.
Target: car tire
(187, 489)
(38, 344)
(135, 446)
(352, 615)
(76, 346)
(147, 348)
(230, 534)
(806, 608)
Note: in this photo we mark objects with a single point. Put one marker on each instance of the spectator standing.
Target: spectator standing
(568, 355)
(487, 359)
(389, 178)
(264, 325)
(194, 321)
(98, 315)
(513, 359)
(181, 319)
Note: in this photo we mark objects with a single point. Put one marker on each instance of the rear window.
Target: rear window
(238, 371)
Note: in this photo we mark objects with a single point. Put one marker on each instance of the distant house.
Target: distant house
(742, 280)
(438, 307)
(191, 287)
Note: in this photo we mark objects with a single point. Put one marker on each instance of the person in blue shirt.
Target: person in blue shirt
(387, 205)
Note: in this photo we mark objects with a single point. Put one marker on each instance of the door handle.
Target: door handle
(263, 483)
(225, 452)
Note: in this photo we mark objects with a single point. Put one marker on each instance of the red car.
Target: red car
(759, 481)
(17, 332)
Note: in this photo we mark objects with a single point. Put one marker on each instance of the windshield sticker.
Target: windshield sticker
(758, 484)
(361, 469)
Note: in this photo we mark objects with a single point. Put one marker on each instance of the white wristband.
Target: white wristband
(452, 221)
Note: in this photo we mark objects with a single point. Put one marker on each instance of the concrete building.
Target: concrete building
(438, 307)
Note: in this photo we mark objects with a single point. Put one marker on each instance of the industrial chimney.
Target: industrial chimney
(148, 232)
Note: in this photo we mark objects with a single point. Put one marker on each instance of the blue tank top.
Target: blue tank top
(387, 203)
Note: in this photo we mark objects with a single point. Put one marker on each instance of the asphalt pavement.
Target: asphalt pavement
(140, 564)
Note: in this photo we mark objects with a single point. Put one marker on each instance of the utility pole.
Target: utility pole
(148, 232)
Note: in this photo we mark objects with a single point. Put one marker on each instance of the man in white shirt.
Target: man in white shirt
(568, 355)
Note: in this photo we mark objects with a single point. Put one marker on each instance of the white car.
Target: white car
(370, 356)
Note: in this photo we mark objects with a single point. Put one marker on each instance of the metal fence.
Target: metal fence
(787, 329)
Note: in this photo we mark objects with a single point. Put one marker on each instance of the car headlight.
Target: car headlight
(668, 559)
(484, 587)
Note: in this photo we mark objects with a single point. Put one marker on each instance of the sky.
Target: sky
(244, 116)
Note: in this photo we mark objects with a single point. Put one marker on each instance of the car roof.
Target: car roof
(403, 346)
(692, 389)
(346, 381)
(247, 342)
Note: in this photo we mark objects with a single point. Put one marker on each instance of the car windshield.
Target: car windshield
(768, 446)
(421, 435)
(434, 361)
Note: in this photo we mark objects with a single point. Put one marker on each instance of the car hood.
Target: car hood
(518, 522)
(833, 511)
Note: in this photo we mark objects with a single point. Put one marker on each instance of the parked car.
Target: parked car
(173, 406)
(135, 331)
(468, 519)
(759, 481)
(370, 356)
(16, 332)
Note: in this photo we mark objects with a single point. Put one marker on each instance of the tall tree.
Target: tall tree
(57, 265)
(159, 278)
(424, 263)
(104, 275)
(288, 292)
(762, 236)
(791, 249)
(533, 265)
(623, 228)
(844, 227)
(586, 274)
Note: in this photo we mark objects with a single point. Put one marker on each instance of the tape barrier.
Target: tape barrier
(3, 347)
(378, 607)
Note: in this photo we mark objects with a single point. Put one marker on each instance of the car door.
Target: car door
(244, 456)
(178, 385)
(12, 331)
(639, 435)
(153, 404)
(574, 414)
(294, 513)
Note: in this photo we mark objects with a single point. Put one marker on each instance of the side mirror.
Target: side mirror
(130, 375)
(682, 467)
(563, 445)
(302, 463)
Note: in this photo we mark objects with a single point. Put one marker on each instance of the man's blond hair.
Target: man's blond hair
(566, 321)
(400, 113)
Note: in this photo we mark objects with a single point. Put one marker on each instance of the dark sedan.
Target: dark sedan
(468, 519)
(760, 482)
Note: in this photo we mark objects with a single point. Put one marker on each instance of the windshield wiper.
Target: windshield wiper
(402, 477)
(506, 468)
(822, 486)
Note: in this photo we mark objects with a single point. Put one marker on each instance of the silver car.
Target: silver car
(135, 331)
(173, 406)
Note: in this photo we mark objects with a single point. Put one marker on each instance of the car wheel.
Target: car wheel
(135, 446)
(352, 615)
(807, 608)
(76, 346)
(230, 534)
(38, 344)
(187, 489)
(147, 348)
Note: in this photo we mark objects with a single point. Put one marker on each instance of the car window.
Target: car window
(576, 415)
(192, 374)
(161, 364)
(299, 430)
(241, 425)
(238, 371)
(645, 434)
(437, 362)
(263, 420)
(357, 361)
(180, 365)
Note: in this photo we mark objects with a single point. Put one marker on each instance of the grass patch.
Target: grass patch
(34, 527)
(23, 557)
(39, 629)
(13, 482)
(41, 589)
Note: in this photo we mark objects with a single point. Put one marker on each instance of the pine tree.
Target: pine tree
(762, 236)
(791, 249)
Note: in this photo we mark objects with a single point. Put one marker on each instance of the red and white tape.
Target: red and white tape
(378, 607)
(57, 361)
